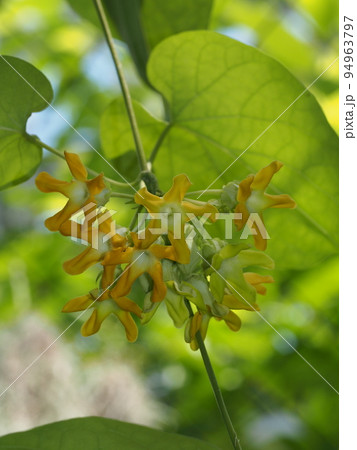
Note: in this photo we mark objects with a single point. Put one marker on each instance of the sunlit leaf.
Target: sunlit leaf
(95, 433)
(23, 90)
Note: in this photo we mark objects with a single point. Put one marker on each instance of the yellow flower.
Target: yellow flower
(104, 303)
(80, 191)
(99, 239)
(173, 205)
(252, 198)
(143, 257)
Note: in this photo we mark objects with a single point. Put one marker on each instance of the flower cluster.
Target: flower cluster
(184, 270)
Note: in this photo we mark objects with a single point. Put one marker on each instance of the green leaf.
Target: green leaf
(162, 18)
(23, 90)
(115, 130)
(95, 433)
(232, 114)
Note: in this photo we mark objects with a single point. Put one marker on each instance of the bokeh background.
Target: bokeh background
(276, 400)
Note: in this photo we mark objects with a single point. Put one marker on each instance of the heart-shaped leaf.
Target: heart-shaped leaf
(23, 90)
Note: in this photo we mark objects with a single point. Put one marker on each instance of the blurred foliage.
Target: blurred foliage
(277, 401)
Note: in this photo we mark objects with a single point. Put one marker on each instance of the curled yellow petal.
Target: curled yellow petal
(131, 329)
(47, 183)
(264, 176)
(128, 305)
(176, 193)
(82, 262)
(280, 201)
(76, 166)
(55, 222)
(78, 303)
(151, 202)
(244, 189)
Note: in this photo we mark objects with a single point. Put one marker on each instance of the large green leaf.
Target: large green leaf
(23, 90)
(95, 433)
(225, 101)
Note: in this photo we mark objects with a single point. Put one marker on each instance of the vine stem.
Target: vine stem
(56, 152)
(125, 89)
(215, 387)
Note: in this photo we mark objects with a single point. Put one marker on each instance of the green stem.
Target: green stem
(56, 152)
(215, 387)
(126, 93)
(122, 195)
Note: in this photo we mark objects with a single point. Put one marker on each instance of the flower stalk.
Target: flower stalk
(215, 387)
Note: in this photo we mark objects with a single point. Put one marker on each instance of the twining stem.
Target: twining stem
(126, 93)
(56, 152)
(215, 387)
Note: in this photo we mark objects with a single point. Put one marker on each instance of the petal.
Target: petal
(244, 189)
(79, 303)
(126, 280)
(163, 251)
(199, 210)
(242, 210)
(280, 201)
(253, 258)
(259, 241)
(121, 255)
(55, 222)
(96, 185)
(232, 321)
(83, 261)
(204, 325)
(46, 183)
(176, 308)
(131, 329)
(234, 303)
(256, 281)
(145, 238)
(159, 289)
(195, 324)
(181, 248)
(151, 202)
(76, 166)
(264, 176)
(128, 305)
(176, 193)
(107, 277)
(93, 324)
